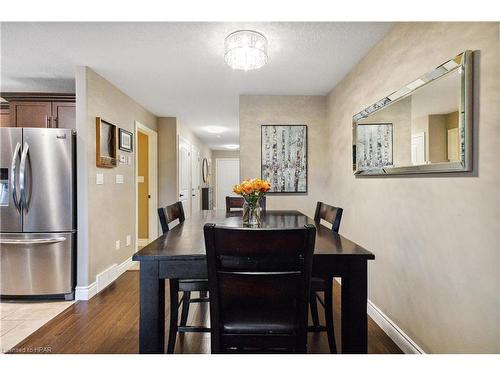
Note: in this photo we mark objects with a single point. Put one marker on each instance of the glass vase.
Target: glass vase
(251, 214)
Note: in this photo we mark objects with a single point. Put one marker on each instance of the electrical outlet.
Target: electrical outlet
(119, 179)
(129, 240)
(99, 179)
(117, 245)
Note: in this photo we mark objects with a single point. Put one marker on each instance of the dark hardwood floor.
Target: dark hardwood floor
(109, 323)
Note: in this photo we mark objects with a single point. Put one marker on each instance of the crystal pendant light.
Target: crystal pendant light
(245, 50)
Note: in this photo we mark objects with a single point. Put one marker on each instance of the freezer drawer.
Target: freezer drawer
(36, 264)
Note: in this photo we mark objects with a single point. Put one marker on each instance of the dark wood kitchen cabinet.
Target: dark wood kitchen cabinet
(30, 114)
(4, 115)
(39, 110)
(64, 115)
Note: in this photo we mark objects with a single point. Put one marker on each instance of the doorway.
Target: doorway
(195, 180)
(142, 187)
(146, 184)
(227, 174)
(185, 175)
(418, 148)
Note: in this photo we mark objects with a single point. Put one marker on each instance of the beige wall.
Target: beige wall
(286, 110)
(438, 145)
(435, 237)
(111, 207)
(167, 161)
(452, 120)
(169, 129)
(106, 213)
(187, 134)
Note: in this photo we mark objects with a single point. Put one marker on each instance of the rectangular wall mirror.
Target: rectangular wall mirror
(424, 127)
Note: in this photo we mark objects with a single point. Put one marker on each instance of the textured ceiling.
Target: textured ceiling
(178, 69)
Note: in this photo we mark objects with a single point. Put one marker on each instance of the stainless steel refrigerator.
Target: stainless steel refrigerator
(37, 212)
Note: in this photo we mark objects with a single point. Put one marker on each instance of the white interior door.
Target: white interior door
(227, 174)
(185, 175)
(418, 148)
(195, 180)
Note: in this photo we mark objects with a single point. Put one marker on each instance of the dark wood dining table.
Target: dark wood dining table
(180, 254)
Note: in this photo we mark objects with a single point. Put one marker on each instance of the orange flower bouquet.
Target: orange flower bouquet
(252, 191)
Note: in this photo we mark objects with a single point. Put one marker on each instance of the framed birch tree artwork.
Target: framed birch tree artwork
(284, 157)
(374, 146)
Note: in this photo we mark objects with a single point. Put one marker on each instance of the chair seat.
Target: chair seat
(243, 318)
(193, 285)
(318, 284)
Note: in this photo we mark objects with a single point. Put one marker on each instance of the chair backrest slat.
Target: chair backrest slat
(331, 214)
(237, 202)
(260, 267)
(169, 214)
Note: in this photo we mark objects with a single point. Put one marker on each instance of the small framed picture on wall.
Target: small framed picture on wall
(125, 140)
(105, 144)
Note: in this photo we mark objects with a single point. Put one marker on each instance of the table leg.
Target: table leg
(152, 310)
(354, 315)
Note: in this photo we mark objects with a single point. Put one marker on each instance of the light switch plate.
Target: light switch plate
(123, 159)
(119, 179)
(99, 179)
(129, 240)
(117, 245)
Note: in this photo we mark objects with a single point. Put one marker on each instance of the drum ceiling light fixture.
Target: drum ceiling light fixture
(245, 50)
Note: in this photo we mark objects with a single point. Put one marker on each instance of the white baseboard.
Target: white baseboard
(110, 274)
(84, 293)
(125, 266)
(401, 339)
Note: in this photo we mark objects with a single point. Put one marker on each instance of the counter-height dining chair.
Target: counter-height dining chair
(186, 286)
(332, 215)
(237, 203)
(259, 282)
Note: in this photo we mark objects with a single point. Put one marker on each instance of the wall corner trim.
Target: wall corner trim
(84, 293)
(401, 339)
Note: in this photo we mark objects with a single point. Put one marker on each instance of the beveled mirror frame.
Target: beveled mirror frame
(204, 170)
(462, 61)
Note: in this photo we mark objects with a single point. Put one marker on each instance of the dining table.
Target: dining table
(180, 254)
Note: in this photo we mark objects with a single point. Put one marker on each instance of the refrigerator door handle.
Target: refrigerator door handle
(15, 197)
(22, 176)
(15, 241)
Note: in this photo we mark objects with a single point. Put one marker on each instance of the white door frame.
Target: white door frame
(153, 182)
(181, 139)
(195, 160)
(217, 180)
(415, 136)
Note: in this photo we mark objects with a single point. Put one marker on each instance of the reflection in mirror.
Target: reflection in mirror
(423, 127)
